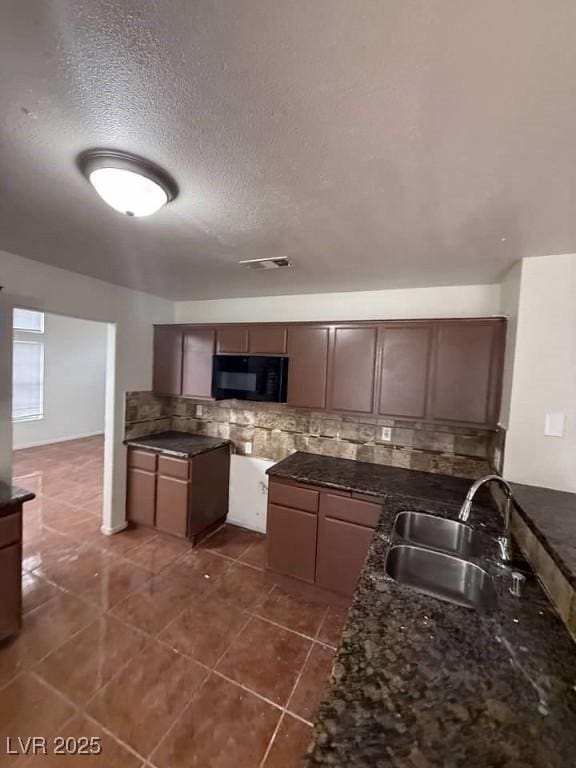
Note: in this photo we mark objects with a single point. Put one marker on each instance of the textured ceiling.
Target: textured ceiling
(376, 143)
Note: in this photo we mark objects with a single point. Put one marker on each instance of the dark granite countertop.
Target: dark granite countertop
(180, 444)
(11, 496)
(552, 517)
(373, 479)
(421, 683)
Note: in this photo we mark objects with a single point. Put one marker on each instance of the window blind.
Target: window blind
(27, 380)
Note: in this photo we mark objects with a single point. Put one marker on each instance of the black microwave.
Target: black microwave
(250, 378)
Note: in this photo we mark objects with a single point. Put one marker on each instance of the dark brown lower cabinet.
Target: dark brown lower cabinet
(324, 543)
(342, 549)
(183, 497)
(141, 496)
(292, 542)
(172, 505)
(10, 571)
(10, 590)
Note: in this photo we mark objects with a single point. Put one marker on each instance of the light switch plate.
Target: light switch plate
(554, 424)
(386, 434)
(247, 449)
(199, 410)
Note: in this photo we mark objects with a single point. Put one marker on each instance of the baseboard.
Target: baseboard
(58, 440)
(116, 529)
(242, 524)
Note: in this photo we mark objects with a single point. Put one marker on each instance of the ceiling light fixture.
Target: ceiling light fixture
(128, 183)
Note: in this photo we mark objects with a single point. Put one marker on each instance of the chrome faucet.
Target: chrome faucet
(504, 541)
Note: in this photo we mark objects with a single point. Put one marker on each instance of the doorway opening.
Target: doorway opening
(59, 394)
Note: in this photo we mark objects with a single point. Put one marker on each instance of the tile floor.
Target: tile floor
(175, 658)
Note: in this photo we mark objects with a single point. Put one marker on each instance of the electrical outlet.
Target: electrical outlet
(247, 449)
(386, 434)
(199, 410)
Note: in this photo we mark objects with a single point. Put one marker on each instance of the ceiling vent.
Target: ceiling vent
(279, 262)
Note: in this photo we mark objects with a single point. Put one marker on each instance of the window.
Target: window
(27, 366)
(27, 380)
(27, 320)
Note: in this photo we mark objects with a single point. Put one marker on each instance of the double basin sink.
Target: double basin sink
(432, 555)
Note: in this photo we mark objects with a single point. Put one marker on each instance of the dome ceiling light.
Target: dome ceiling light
(128, 183)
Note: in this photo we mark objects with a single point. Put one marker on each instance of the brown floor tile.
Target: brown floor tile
(266, 659)
(43, 630)
(312, 683)
(86, 530)
(230, 541)
(200, 568)
(141, 703)
(256, 554)
(204, 630)
(114, 580)
(29, 708)
(293, 611)
(111, 755)
(158, 553)
(44, 548)
(67, 523)
(243, 586)
(332, 626)
(74, 568)
(91, 658)
(224, 726)
(35, 591)
(125, 541)
(290, 743)
(154, 604)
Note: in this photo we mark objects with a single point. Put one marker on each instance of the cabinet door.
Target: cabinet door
(197, 365)
(172, 505)
(291, 537)
(210, 476)
(341, 552)
(10, 590)
(308, 366)
(167, 366)
(267, 340)
(404, 364)
(467, 369)
(141, 496)
(352, 369)
(233, 339)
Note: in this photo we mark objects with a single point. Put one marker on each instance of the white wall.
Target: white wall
(544, 378)
(32, 285)
(451, 301)
(74, 382)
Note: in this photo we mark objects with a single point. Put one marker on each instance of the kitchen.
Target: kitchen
(330, 520)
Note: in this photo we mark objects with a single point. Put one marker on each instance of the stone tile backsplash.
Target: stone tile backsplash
(274, 431)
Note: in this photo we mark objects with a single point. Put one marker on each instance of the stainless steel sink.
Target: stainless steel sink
(440, 575)
(448, 536)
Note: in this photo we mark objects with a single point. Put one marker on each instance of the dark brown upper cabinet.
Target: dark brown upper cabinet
(197, 362)
(405, 351)
(267, 340)
(232, 339)
(352, 368)
(466, 372)
(446, 371)
(307, 348)
(167, 368)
